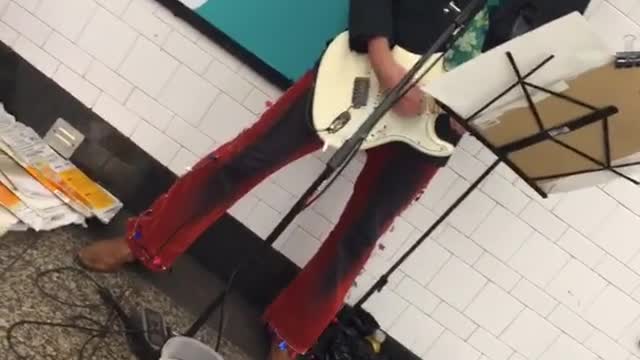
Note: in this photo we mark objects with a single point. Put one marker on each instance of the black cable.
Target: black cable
(86, 345)
(59, 300)
(97, 330)
(100, 336)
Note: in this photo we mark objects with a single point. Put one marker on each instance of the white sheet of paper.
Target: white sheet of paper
(577, 49)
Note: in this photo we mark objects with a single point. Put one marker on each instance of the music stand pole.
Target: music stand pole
(384, 279)
(345, 153)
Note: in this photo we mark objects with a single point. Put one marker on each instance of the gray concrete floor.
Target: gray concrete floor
(178, 295)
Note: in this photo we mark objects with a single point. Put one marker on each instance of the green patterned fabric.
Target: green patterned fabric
(470, 44)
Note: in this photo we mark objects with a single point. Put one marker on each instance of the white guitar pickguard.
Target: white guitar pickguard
(333, 95)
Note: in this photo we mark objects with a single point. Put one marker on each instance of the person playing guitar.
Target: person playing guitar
(392, 177)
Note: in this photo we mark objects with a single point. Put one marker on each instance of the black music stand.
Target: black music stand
(595, 115)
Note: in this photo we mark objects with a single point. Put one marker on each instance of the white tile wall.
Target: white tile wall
(145, 106)
(567, 348)
(509, 275)
(457, 283)
(39, 58)
(7, 34)
(415, 293)
(490, 345)
(225, 119)
(530, 334)
(496, 271)
(144, 21)
(150, 77)
(416, 330)
(460, 245)
(187, 52)
(576, 286)
(26, 23)
(67, 52)
(453, 320)
(581, 248)
(571, 323)
(429, 260)
(502, 233)
(494, 309)
(107, 38)
(543, 221)
(76, 85)
(68, 20)
(539, 260)
(451, 347)
(116, 114)
(612, 312)
(157, 144)
(605, 347)
(109, 82)
(534, 297)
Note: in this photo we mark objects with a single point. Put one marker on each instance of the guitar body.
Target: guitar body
(346, 80)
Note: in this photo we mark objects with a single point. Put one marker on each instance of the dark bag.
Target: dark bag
(346, 339)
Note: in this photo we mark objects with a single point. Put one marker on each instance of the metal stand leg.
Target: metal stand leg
(384, 279)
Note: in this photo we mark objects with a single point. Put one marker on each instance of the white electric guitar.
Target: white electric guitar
(346, 80)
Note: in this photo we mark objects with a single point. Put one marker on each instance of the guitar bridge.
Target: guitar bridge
(361, 88)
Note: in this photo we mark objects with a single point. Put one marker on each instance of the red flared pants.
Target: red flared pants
(390, 181)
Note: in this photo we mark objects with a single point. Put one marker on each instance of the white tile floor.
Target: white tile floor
(564, 283)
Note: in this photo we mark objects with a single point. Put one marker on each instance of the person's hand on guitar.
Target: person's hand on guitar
(390, 73)
(415, 102)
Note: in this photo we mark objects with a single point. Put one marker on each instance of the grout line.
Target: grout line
(431, 346)
(613, 5)
(118, 67)
(84, 27)
(499, 336)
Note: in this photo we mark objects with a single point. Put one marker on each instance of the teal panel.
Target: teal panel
(288, 35)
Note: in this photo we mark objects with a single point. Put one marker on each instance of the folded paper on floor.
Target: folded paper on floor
(39, 189)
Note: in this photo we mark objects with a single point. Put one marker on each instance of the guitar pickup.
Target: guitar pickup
(360, 96)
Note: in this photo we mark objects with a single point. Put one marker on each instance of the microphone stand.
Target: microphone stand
(339, 159)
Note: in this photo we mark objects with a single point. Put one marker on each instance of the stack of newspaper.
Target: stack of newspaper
(41, 190)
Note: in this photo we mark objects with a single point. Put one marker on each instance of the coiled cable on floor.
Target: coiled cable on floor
(97, 330)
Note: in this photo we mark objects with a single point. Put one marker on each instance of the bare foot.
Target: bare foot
(106, 255)
(277, 354)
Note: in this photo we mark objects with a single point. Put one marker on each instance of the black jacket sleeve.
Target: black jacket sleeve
(368, 19)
